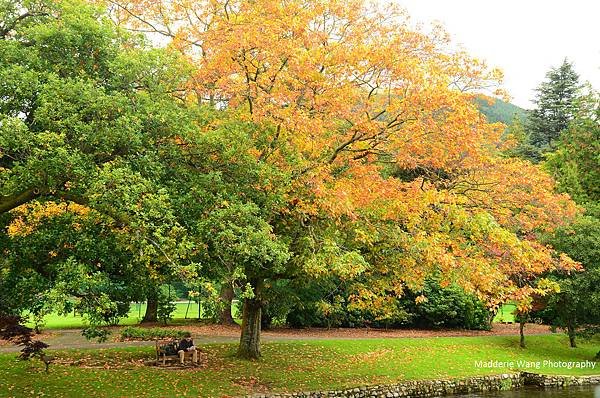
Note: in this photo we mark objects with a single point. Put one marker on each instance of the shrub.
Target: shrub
(12, 329)
(137, 333)
(166, 307)
(449, 307)
(94, 332)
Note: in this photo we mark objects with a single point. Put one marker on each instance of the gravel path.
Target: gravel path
(214, 334)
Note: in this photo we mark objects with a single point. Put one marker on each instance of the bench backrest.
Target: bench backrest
(162, 346)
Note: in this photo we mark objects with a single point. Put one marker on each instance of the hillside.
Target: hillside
(499, 111)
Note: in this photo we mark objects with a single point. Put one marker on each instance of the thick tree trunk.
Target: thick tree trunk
(151, 314)
(226, 296)
(250, 339)
(571, 331)
(522, 333)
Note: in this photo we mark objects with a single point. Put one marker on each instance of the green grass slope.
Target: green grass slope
(496, 110)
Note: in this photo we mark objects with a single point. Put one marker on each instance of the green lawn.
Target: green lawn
(136, 313)
(290, 366)
(506, 314)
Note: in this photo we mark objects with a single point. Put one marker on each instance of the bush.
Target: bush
(94, 332)
(449, 307)
(315, 306)
(137, 333)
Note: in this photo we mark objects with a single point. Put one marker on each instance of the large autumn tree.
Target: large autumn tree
(390, 170)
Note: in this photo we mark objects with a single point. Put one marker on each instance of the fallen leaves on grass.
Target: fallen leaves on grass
(372, 356)
(250, 383)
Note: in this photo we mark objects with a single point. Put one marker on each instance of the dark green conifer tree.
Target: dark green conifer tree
(556, 105)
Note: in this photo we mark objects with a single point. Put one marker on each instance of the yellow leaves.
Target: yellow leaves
(329, 258)
(523, 299)
(363, 236)
(29, 216)
(19, 228)
(546, 286)
(420, 299)
(381, 306)
(519, 195)
(567, 264)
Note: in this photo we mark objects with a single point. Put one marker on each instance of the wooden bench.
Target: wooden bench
(163, 353)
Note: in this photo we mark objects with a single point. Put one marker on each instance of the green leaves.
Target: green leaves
(73, 41)
(576, 166)
(576, 162)
(239, 238)
(84, 120)
(331, 259)
(93, 120)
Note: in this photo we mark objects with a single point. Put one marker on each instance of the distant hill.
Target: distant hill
(497, 110)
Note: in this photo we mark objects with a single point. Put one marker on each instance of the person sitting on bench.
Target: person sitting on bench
(187, 345)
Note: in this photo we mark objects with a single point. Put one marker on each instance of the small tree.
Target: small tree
(166, 307)
(577, 305)
(12, 329)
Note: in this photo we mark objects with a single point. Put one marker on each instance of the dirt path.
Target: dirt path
(215, 334)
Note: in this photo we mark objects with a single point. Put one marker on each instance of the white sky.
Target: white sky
(524, 38)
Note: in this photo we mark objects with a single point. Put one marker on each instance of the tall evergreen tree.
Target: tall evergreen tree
(556, 106)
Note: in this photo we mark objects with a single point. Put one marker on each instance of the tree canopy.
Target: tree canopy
(272, 141)
(576, 165)
(85, 111)
(392, 170)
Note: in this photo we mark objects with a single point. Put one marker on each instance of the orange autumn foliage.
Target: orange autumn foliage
(332, 75)
(363, 99)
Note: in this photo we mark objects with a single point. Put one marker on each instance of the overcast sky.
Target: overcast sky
(524, 38)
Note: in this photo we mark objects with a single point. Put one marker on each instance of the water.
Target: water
(571, 392)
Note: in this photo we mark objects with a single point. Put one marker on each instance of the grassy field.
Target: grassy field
(286, 366)
(136, 313)
(506, 314)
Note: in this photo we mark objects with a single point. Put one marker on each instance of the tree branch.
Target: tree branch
(6, 29)
(7, 203)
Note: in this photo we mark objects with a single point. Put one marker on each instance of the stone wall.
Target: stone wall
(534, 379)
(436, 388)
(421, 388)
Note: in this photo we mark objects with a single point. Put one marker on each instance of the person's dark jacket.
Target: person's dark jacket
(185, 344)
